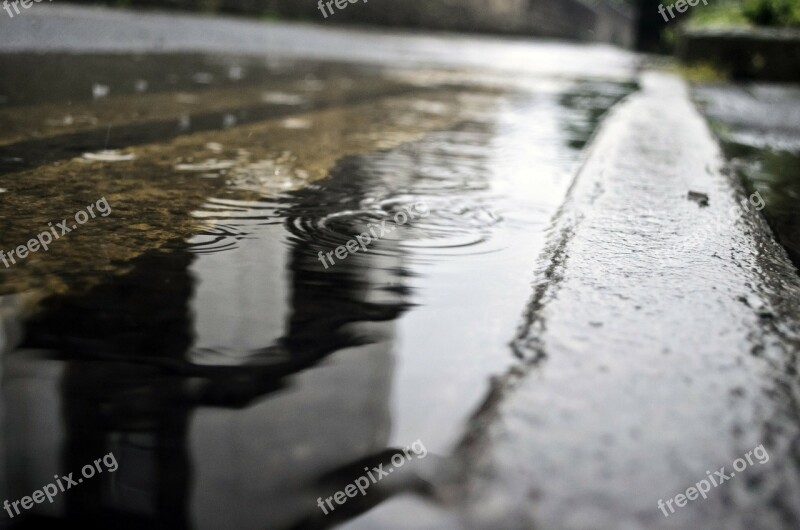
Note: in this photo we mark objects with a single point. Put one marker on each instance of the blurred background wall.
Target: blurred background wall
(585, 20)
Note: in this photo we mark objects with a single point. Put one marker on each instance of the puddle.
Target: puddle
(196, 332)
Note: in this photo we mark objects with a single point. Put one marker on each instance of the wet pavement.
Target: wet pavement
(536, 307)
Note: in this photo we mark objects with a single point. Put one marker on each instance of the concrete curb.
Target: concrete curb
(668, 338)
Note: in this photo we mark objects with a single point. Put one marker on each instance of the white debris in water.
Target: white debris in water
(282, 98)
(214, 146)
(212, 164)
(109, 155)
(296, 123)
(184, 122)
(100, 91)
(3, 190)
(140, 85)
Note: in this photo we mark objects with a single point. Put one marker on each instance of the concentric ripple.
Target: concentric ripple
(424, 199)
(227, 222)
(402, 223)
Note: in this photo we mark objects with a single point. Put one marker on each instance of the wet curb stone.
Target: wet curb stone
(668, 346)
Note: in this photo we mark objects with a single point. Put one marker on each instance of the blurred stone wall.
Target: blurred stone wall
(588, 20)
(585, 20)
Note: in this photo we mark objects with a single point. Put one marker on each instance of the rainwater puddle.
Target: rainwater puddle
(337, 269)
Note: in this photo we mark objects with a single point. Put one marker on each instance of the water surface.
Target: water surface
(195, 332)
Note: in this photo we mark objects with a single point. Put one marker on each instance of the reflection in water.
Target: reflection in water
(161, 366)
(774, 174)
(237, 380)
(758, 128)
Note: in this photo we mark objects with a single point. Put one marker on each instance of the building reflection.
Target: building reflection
(224, 388)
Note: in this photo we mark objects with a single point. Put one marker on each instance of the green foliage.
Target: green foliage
(702, 73)
(772, 12)
(748, 13)
(723, 14)
(271, 14)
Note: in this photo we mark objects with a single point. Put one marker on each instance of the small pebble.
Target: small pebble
(699, 197)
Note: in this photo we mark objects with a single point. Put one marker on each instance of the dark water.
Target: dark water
(758, 125)
(195, 333)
